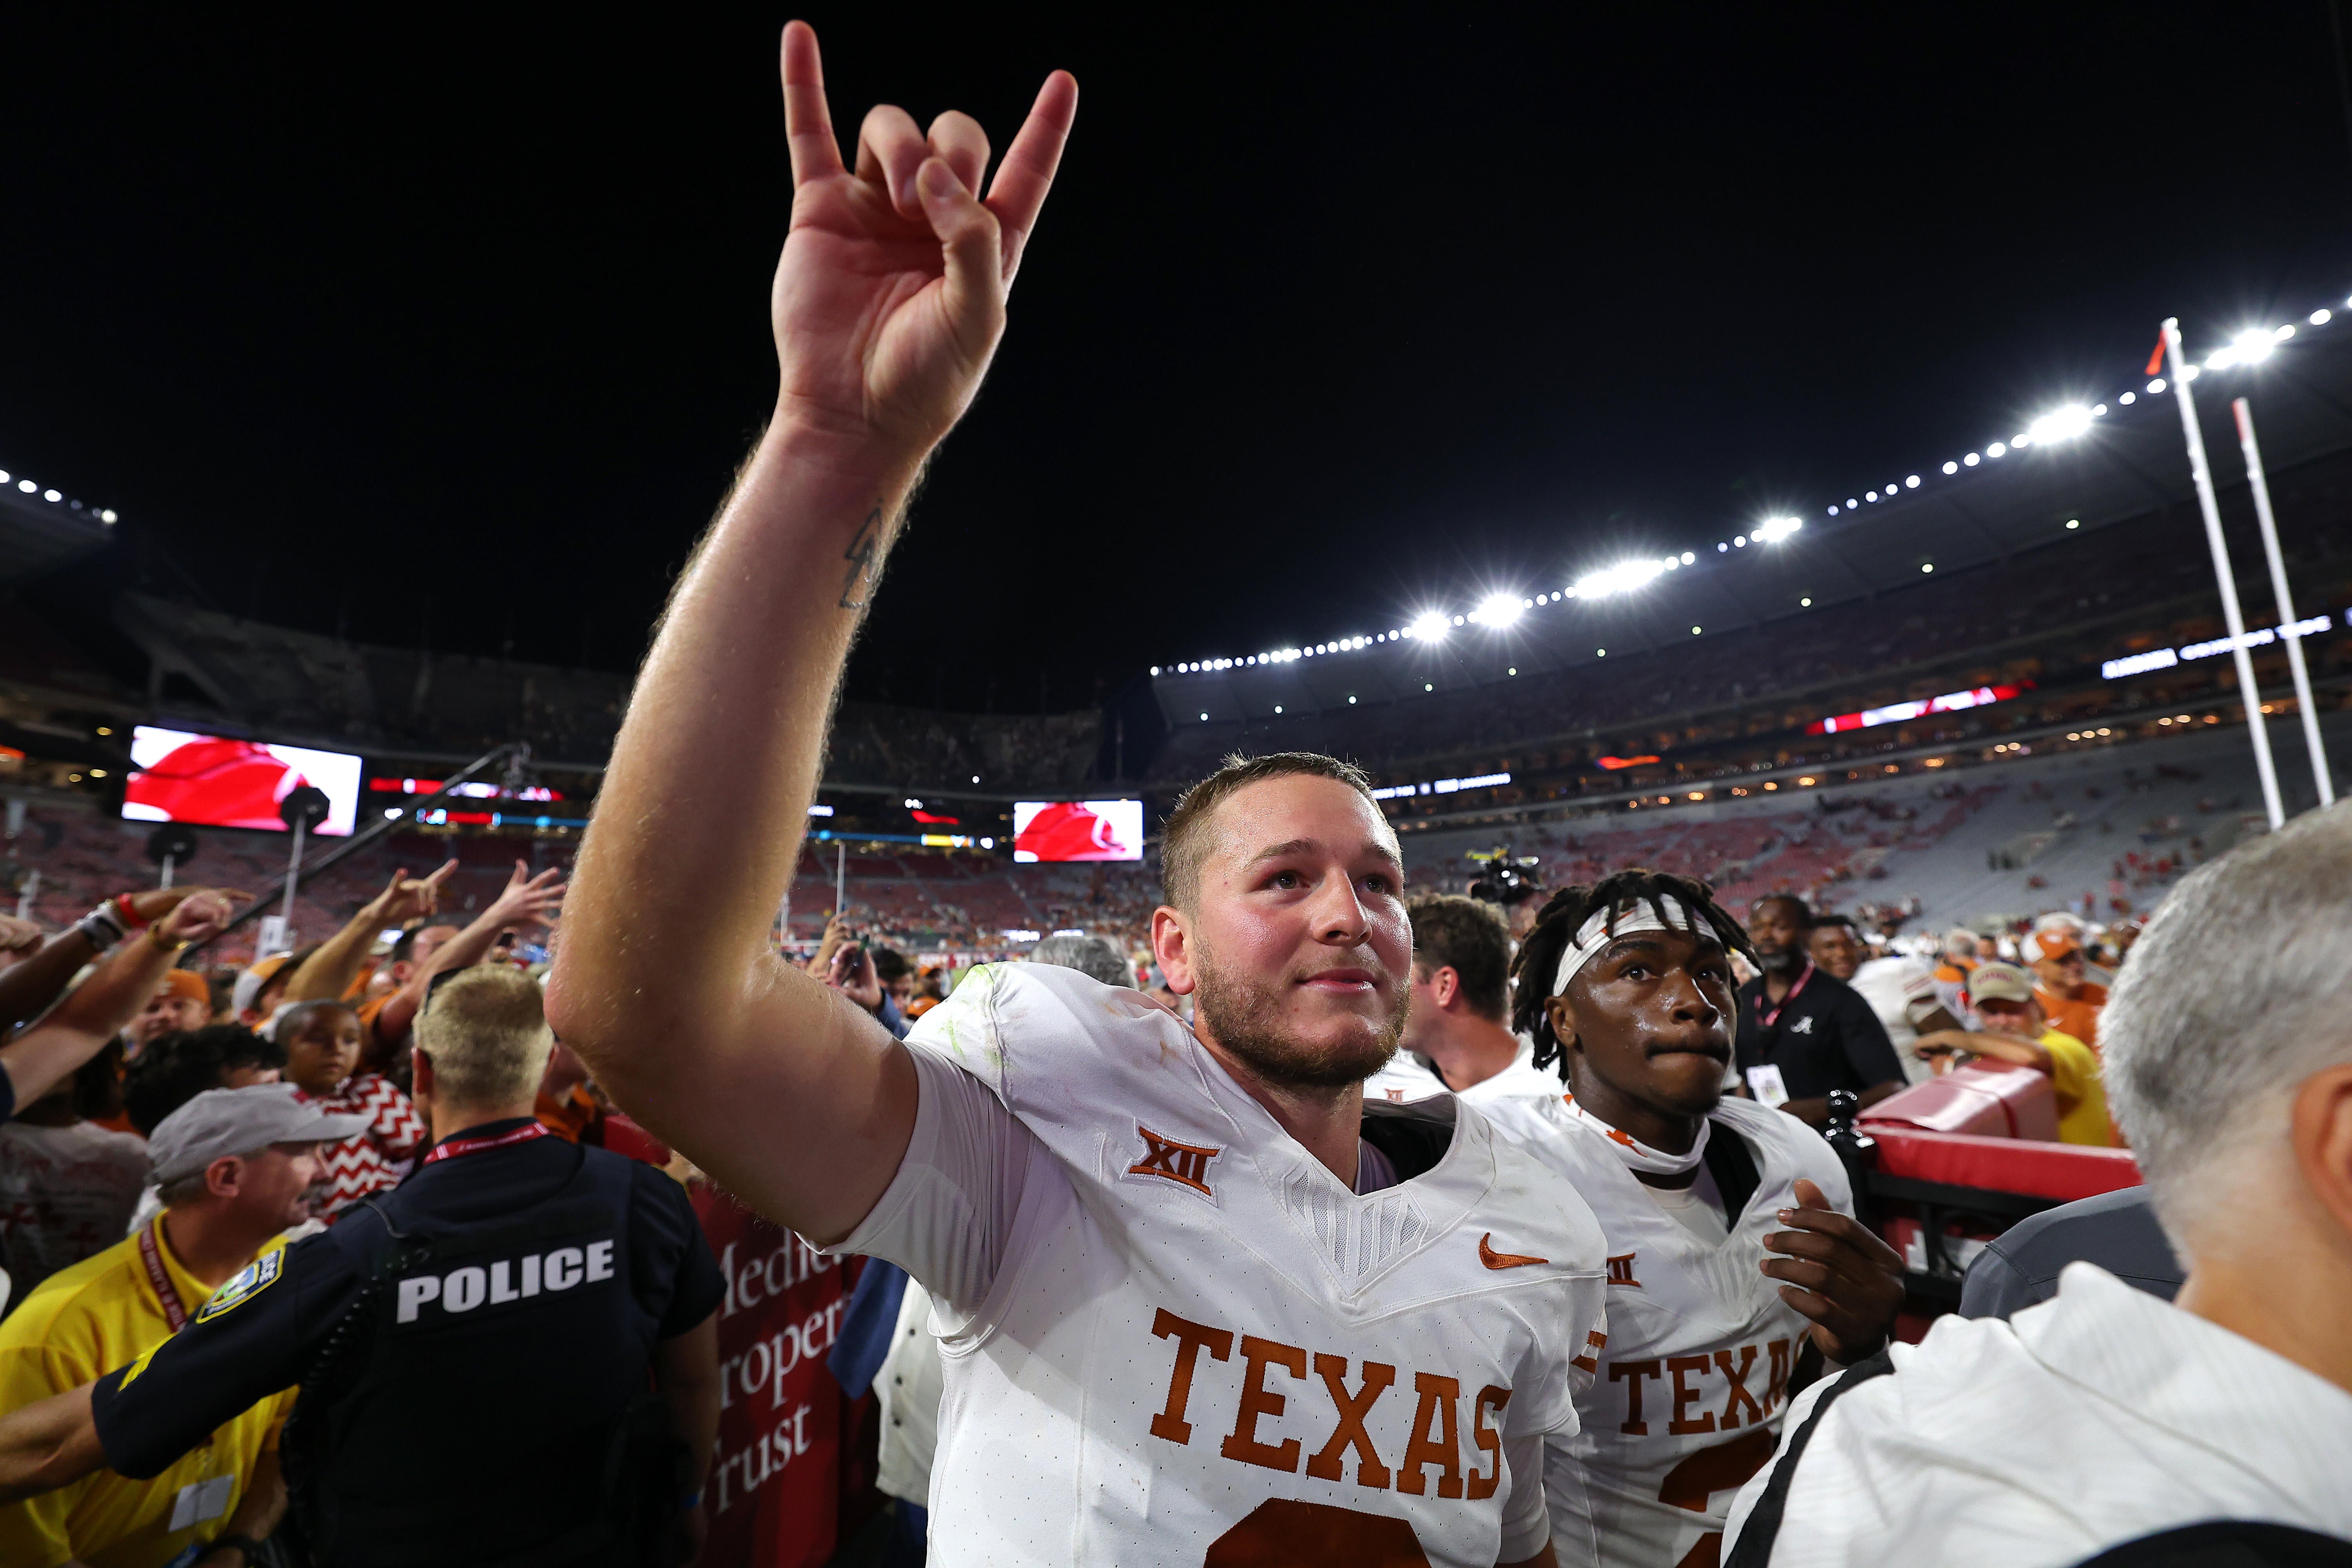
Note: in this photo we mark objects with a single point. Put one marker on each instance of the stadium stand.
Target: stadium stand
(2109, 824)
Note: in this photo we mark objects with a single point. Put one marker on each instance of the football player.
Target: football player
(1734, 1266)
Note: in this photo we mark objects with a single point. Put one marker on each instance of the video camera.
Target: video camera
(1504, 878)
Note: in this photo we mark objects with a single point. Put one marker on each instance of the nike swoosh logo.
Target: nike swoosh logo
(1494, 1259)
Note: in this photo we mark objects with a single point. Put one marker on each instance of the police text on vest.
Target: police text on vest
(507, 1279)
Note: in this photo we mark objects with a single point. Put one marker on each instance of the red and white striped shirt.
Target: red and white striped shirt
(376, 1159)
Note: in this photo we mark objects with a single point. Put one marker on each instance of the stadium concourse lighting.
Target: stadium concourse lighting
(1429, 626)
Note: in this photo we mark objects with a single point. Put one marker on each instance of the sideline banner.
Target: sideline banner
(777, 1486)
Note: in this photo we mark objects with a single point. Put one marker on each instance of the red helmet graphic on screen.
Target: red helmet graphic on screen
(1070, 830)
(220, 782)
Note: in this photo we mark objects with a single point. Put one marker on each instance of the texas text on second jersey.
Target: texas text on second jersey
(1693, 1381)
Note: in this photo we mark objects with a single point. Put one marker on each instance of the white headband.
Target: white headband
(1634, 915)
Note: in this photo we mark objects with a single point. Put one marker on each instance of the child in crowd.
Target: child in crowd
(321, 1040)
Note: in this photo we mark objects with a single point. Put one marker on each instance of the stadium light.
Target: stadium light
(2061, 424)
(2250, 347)
(1623, 577)
(1498, 609)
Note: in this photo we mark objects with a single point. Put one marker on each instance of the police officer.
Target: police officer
(509, 1359)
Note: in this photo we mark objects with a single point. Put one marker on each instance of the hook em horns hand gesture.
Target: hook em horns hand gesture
(890, 300)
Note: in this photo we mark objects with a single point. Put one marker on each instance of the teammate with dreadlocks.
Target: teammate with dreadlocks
(1734, 1263)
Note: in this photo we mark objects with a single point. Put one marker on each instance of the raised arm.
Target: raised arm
(887, 306)
(526, 901)
(327, 973)
(28, 988)
(91, 1014)
(32, 983)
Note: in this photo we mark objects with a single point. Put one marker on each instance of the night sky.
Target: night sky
(453, 328)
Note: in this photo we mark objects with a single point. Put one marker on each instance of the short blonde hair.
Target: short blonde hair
(1188, 840)
(485, 1033)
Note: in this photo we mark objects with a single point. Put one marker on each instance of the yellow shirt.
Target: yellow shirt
(78, 1325)
(2081, 1098)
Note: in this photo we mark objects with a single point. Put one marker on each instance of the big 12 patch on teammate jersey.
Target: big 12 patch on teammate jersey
(245, 1284)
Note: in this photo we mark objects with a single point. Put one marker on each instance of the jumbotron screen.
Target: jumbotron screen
(212, 781)
(1078, 830)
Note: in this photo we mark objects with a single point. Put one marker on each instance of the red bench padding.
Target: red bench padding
(2062, 1171)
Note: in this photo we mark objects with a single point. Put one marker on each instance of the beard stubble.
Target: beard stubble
(1246, 1020)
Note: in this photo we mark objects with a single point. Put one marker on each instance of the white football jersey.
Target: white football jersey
(1694, 1380)
(1199, 1348)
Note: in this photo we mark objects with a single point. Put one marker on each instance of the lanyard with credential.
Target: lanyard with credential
(152, 1255)
(456, 1148)
(1765, 1019)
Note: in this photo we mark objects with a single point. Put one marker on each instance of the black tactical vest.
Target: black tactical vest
(486, 1399)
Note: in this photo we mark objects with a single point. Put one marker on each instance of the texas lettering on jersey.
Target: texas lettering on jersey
(1694, 1381)
(1434, 1443)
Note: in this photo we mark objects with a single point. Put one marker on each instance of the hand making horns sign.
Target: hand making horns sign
(890, 297)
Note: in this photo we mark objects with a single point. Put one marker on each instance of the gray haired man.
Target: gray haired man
(2107, 1419)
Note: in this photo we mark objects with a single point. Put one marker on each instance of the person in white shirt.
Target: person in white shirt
(1455, 1034)
(1735, 1263)
(2107, 1419)
(1199, 1304)
(1900, 989)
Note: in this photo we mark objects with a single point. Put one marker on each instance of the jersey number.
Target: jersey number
(1283, 1533)
(1714, 1469)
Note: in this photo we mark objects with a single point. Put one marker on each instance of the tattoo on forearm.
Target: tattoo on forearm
(865, 547)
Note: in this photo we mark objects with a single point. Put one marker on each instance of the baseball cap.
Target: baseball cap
(249, 983)
(2045, 945)
(238, 1122)
(188, 984)
(2000, 983)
